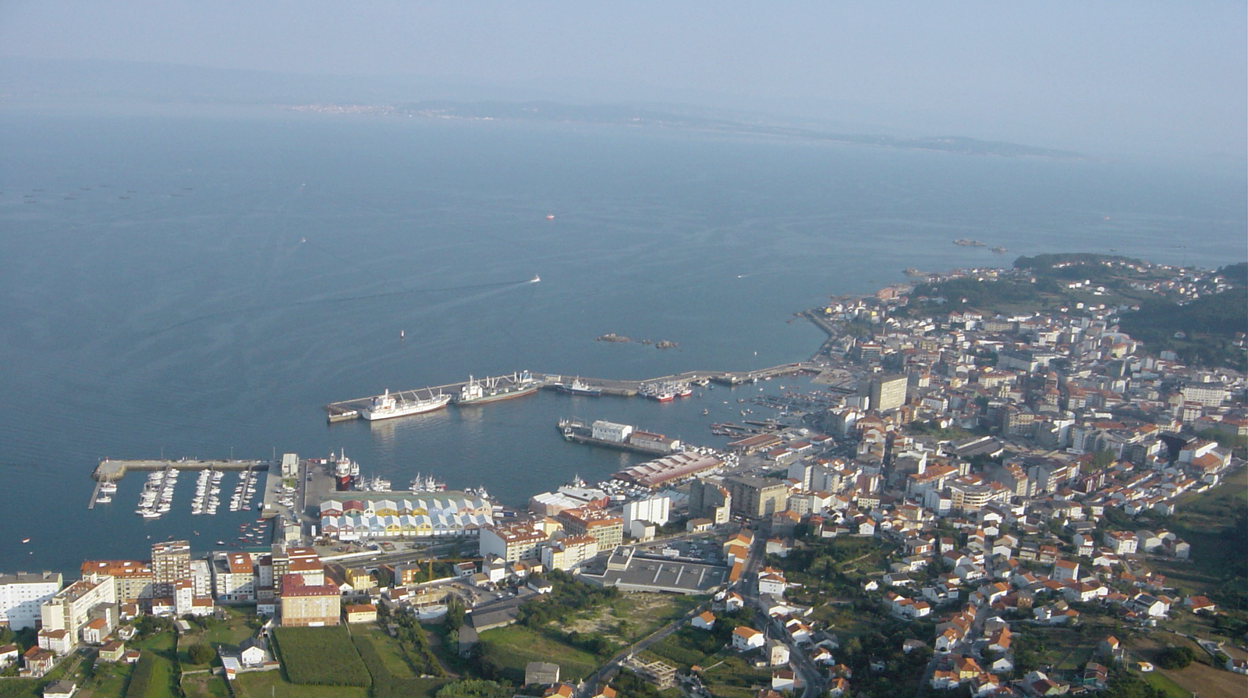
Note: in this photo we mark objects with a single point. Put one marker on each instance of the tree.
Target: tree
(1175, 657)
(200, 653)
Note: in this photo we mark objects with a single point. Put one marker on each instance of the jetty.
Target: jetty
(110, 470)
(347, 410)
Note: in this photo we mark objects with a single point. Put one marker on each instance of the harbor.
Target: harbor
(482, 390)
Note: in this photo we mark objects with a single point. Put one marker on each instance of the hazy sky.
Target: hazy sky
(1109, 76)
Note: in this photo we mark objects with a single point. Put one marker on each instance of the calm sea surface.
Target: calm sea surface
(201, 286)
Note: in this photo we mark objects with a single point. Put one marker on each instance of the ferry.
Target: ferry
(388, 406)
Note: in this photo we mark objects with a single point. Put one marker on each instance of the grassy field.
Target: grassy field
(322, 656)
(1200, 678)
(205, 685)
(733, 676)
(271, 684)
(392, 656)
(108, 681)
(1165, 684)
(514, 646)
(634, 615)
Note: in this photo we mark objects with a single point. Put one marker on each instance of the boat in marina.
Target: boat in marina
(420, 483)
(389, 406)
(477, 392)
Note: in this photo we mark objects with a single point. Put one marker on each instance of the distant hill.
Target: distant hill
(74, 83)
(624, 115)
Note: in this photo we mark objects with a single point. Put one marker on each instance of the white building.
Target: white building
(656, 510)
(23, 593)
(744, 638)
(610, 431)
(79, 603)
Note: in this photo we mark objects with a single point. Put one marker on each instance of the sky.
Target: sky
(1109, 77)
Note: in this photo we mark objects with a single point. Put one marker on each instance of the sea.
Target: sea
(200, 284)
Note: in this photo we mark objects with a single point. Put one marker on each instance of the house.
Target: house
(8, 655)
(110, 652)
(783, 680)
(771, 582)
(746, 638)
(777, 653)
(60, 689)
(37, 661)
(361, 613)
(541, 674)
(1200, 604)
(1239, 666)
(704, 620)
(252, 652)
(838, 687)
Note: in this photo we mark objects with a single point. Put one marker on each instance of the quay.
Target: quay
(113, 470)
(347, 410)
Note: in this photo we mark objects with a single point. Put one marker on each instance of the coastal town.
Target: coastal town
(987, 482)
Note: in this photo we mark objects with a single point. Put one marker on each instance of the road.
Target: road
(593, 680)
(813, 680)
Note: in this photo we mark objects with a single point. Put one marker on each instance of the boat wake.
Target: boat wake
(342, 299)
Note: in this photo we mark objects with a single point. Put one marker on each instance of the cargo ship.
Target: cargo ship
(477, 392)
(389, 406)
(576, 387)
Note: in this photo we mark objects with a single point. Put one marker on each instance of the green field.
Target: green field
(320, 656)
(1164, 684)
(270, 684)
(512, 647)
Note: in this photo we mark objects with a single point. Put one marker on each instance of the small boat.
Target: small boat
(220, 542)
(550, 217)
(25, 540)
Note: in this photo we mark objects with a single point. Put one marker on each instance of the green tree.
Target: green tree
(1175, 657)
(200, 653)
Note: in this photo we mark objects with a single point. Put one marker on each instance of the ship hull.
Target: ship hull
(496, 397)
(407, 410)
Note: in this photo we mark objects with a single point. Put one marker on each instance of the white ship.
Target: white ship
(388, 406)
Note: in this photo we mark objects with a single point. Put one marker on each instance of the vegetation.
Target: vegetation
(1179, 657)
(320, 656)
(475, 688)
(200, 654)
(1201, 332)
(502, 653)
(629, 685)
(567, 597)
(141, 679)
(386, 684)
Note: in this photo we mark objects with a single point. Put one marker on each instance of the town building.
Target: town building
(22, 594)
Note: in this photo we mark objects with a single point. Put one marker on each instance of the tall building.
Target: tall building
(606, 528)
(171, 563)
(23, 593)
(709, 499)
(132, 578)
(512, 542)
(888, 392)
(306, 604)
(757, 497)
(78, 604)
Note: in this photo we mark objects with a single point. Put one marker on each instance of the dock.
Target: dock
(347, 410)
(110, 470)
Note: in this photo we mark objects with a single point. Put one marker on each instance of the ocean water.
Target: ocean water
(201, 285)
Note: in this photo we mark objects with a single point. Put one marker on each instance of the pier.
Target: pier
(113, 470)
(347, 410)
